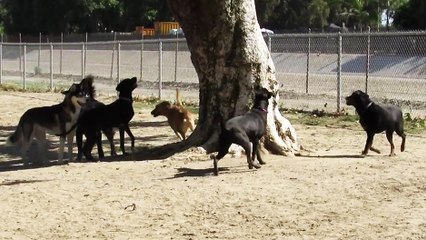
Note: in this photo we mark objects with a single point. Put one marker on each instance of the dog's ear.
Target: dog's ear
(270, 94)
(363, 96)
(134, 79)
(119, 86)
(73, 88)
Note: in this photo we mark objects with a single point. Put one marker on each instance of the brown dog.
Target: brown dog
(178, 117)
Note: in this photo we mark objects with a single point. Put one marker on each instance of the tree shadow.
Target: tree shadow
(142, 153)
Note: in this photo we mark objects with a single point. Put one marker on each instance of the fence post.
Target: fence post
(367, 68)
(176, 55)
(308, 61)
(24, 69)
(51, 66)
(20, 53)
(60, 53)
(339, 73)
(82, 60)
(114, 38)
(39, 50)
(118, 61)
(1, 60)
(160, 69)
(85, 53)
(269, 43)
(141, 68)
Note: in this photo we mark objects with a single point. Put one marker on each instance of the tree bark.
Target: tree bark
(230, 57)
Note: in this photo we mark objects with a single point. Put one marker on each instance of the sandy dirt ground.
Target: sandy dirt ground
(329, 192)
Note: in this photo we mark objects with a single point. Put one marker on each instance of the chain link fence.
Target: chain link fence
(316, 71)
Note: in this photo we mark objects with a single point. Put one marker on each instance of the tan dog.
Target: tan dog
(178, 117)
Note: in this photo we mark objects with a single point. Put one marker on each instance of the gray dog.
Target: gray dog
(245, 130)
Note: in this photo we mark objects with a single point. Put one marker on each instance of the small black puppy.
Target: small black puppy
(376, 119)
(104, 118)
(245, 129)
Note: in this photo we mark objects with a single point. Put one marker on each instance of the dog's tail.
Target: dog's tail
(178, 102)
(16, 137)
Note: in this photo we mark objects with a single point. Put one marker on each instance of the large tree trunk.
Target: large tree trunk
(231, 57)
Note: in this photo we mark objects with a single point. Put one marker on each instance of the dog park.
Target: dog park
(328, 191)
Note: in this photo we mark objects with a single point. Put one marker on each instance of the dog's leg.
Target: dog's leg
(132, 138)
(27, 138)
(88, 145)
(70, 141)
(61, 150)
(24, 151)
(121, 131)
(40, 136)
(389, 136)
(79, 142)
(368, 143)
(109, 133)
(243, 140)
(99, 144)
(401, 133)
(259, 157)
(224, 145)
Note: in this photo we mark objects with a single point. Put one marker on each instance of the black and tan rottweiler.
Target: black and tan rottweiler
(375, 118)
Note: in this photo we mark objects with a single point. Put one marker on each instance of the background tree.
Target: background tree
(411, 15)
(319, 11)
(264, 10)
(231, 58)
(77, 16)
(390, 7)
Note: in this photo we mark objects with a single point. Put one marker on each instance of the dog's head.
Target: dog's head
(76, 95)
(86, 85)
(127, 85)
(161, 108)
(358, 99)
(261, 98)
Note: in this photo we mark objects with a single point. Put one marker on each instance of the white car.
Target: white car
(266, 31)
(175, 31)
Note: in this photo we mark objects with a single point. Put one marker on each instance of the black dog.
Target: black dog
(245, 129)
(376, 119)
(91, 103)
(104, 118)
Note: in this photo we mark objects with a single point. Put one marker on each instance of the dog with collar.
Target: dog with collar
(91, 103)
(104, 118)
(36, 122)
(246, 131)
(375, 118)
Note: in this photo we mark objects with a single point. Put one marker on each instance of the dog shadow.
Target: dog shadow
(206, 172)
(334, 156)
(144, 124)
(18, 182)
